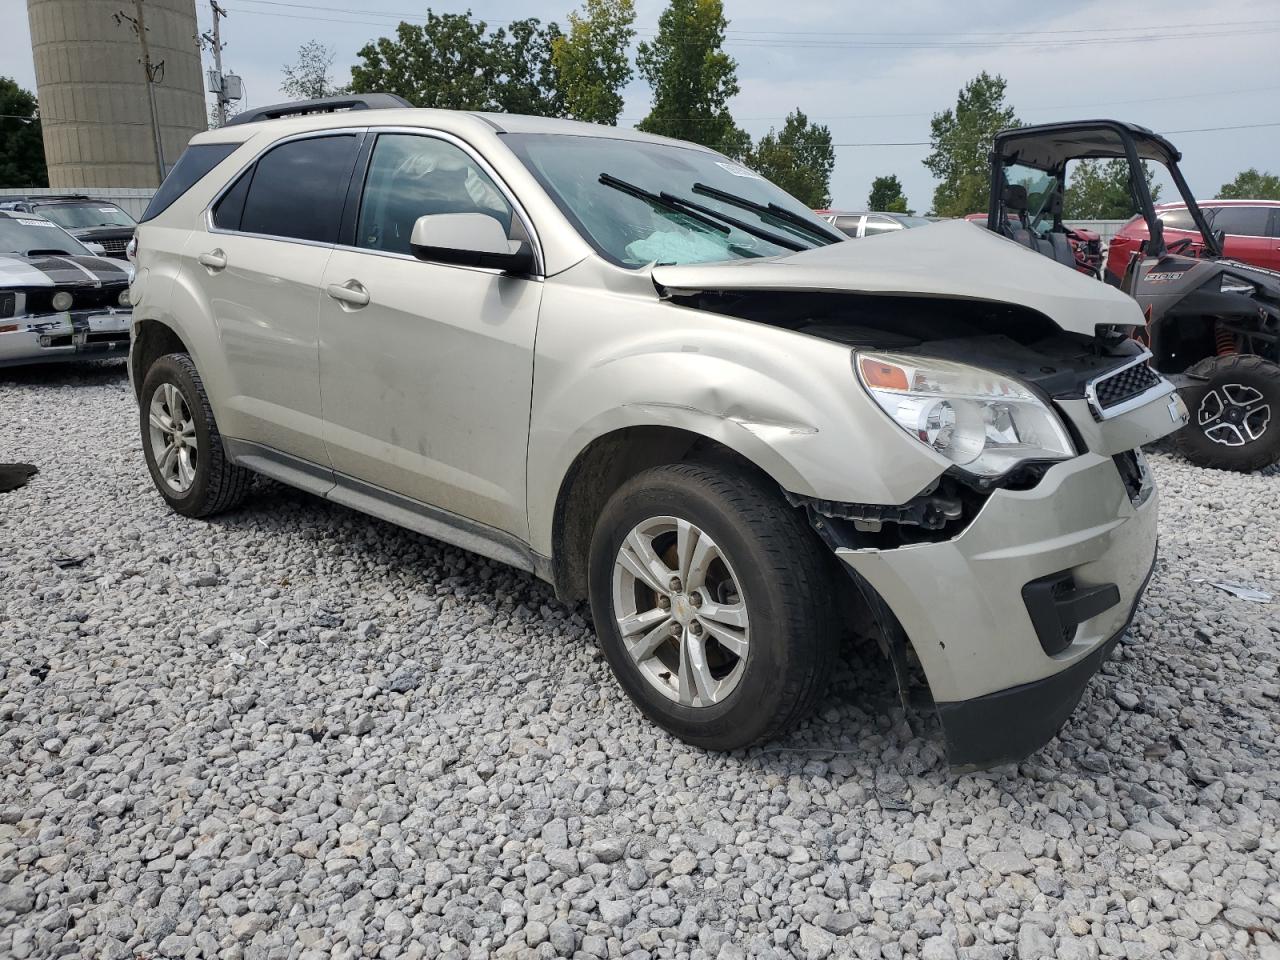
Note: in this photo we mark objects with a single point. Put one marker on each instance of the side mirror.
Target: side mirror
(469, 240)
(97, 249)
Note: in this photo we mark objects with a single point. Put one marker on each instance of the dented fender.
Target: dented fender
(611, 354)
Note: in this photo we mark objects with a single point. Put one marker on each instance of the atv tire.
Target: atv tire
(1235, 414)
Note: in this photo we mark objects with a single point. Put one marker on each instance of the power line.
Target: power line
(734, 32)
(825, 41)
(1036, 109)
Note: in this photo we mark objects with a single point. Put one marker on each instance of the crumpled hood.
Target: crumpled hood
(50, 270)
(949, 259)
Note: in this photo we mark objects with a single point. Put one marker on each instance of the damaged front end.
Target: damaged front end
(1008, 578)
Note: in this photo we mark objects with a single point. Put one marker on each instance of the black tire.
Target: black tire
(1233, 374)
(786, 586)
(218, 484)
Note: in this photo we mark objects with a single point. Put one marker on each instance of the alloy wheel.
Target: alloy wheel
(174, 445)
(1233, 414)
(680, 611)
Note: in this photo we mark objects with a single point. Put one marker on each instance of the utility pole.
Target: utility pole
(151, 73)
(215, 42)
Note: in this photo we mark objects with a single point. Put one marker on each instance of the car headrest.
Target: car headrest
(1015, 197)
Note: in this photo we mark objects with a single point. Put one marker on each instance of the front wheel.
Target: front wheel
(1234, 407)
(713, 604)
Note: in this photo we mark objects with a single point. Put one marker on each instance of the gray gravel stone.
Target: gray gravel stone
(298, 732)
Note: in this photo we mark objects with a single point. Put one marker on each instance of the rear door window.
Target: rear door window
(877, 225)
(1242, 221)
(196, 161)
(298, 189)
(848, 225)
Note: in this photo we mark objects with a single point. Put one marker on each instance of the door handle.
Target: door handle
(351, 293)
(215, 259)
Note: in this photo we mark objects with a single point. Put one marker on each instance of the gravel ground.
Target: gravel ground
(298, 732)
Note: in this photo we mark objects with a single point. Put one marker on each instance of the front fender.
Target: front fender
(608, 359)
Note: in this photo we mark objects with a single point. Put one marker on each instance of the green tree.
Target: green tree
(526, 79)
(1099, 190)
(1251, 185)
(592, 60)
(453, 61)
(692, 77)
(887, 195)
(307, 78)
(961, 141)
(21, 144)
(799, 159)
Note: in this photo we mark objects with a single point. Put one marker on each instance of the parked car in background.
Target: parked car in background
(1086, 246)
(90, 221)
(871, 224)
(58, 301)
(1250, 228)
(642, 372)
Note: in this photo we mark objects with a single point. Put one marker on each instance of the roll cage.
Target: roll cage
(1049, 147)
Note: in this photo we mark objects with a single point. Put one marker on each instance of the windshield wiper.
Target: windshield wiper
(666, 201)
(699, 212)
(768, 210)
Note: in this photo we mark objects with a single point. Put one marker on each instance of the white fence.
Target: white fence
(133, 200)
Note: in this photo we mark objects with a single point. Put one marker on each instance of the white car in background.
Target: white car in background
(640, 371)
(58, 299)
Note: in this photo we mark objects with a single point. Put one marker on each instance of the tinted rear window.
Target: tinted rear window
(298, 189)
(1242, 221)
(197, 160)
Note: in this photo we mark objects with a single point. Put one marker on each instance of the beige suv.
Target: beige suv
(640, 371)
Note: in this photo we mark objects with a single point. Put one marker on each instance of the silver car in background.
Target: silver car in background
(640, 371)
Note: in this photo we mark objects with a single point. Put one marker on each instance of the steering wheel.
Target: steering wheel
(1180, 245)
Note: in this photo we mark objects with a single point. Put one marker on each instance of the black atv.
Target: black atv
(1212, 324)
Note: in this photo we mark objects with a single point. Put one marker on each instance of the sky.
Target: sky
(874, 73)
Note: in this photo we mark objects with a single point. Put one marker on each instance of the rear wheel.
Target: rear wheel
(181, 442)
(1234, 409)
(712, 603)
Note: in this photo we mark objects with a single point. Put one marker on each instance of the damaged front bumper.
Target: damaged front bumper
(74, 335)
(1010, 618)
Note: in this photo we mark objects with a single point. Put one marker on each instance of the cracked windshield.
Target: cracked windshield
(641, 203)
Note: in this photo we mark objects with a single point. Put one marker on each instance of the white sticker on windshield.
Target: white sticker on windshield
(106, 209)
(35, 223)
(738, 170)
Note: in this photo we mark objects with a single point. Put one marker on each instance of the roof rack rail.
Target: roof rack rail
(297, 108)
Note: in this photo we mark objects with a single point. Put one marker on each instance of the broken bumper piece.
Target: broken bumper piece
(1011, 618)
(78, 335)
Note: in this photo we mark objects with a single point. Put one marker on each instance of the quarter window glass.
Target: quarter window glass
(1242, 221)
(415, 176)
(298, 189)
(1177, 219)
(195, 162)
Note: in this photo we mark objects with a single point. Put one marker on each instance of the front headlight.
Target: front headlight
(123, 299)
(980, 420)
